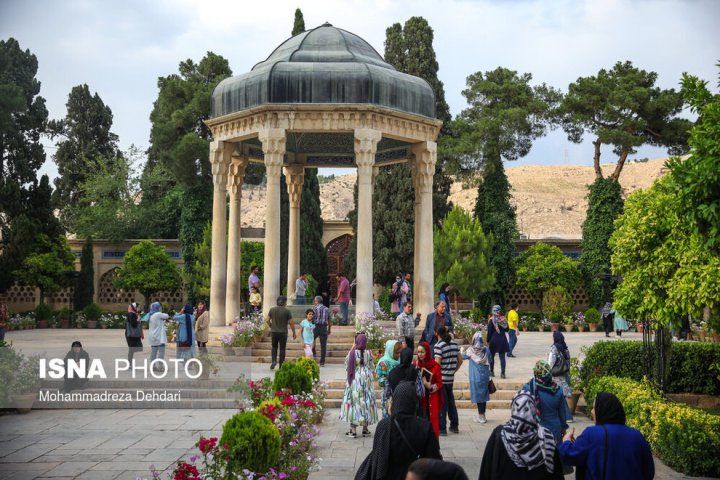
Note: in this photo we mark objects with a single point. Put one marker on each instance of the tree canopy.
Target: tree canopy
(299, 23)
(622, 107)
(697, 179)
(667, 270)
(462, 255)
(542, 267)
(148, 268)
(48, 265)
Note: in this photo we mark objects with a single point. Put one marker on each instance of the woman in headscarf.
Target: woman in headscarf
(392, 454)
(607, 318)
(479, 375)
(497, 326)
(133, 331)
(550, 406)
(610, 449)
(431, 376)
(385, 365)
(185, 341)
(405, 371)
(560, 356)
(444, 296)
(76, 355)
(156, 334)
(358, 406)
(521, 448)
(620, 324)
(430, 469)
(202, 326)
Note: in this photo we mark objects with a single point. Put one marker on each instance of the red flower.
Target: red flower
(226, 447)
(186, 471)
(207, 444)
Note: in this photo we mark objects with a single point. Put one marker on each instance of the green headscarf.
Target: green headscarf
(388, 357)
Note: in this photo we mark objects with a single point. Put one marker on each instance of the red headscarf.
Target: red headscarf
(429, 363)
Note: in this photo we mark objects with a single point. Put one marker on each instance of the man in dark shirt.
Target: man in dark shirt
(323, 327)
(278, 320)
(438, 318)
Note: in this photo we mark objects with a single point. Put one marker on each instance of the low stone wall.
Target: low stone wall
(695, 400)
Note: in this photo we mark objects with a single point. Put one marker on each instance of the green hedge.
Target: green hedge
(688, 366)
(685, 438)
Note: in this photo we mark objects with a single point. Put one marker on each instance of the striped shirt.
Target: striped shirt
(321, 314)
(448, 353)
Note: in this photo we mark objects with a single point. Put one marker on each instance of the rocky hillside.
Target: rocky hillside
(550, 200)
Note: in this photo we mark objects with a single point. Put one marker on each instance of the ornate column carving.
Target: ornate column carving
(294, 177)
(273, 141)
(366, 141)
(234, 282)
(220, 161)
(424, 169)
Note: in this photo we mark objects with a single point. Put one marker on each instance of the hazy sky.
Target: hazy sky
(120, 48)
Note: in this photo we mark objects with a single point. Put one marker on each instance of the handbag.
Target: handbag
(491, 387)
(561, 366)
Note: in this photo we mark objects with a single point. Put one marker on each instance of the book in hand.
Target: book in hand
(426, 374)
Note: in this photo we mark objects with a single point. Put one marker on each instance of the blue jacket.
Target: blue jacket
(428, 334)
(554, 411)
(629, 455)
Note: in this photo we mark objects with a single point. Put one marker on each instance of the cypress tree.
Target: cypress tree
(85, 286)
(605, 203)
(299, 24)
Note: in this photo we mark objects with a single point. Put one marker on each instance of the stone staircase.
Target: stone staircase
(506, 389)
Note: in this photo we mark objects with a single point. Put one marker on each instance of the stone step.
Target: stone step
(507, 385)
(291, 356)
(461, 404)
(459, 394)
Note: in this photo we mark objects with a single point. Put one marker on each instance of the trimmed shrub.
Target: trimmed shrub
(557, 303)
(311, 366)
(685, 438)
(253, 441)
(43, 312)
(688, 365)
(294, 377)
(592, 315)
(93, 312)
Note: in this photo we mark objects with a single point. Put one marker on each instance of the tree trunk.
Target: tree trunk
(42, 296)
(596, 159)
(620, 164)
(147, 300)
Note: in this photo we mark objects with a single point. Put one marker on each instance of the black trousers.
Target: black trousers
(134, 345)
(280, 339)
(321, 332)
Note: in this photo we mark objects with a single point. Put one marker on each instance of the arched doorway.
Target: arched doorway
(337, 248)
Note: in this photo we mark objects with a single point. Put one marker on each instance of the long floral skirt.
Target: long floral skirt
(358, 406)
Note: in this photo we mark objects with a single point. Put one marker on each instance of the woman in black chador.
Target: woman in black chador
(77, 354)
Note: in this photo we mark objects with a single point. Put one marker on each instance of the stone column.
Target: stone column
(273, 140)
(366, 141)
(417, 296)
(234, 280)
(294, 177)
(425, 159)
(220, 160)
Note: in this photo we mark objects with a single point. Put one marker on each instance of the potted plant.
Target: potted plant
(524, 323)
(568, 323)
(227, 343)
(579, 321)
(43, 313)
(80, 320)
(243, 333)
(92, 312)
(543, 323)
(557, 304)
(640, 326)
(575, 383)
(63, 317)
(25, 383)
(592, 318)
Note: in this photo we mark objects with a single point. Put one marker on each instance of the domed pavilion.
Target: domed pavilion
(323, 98)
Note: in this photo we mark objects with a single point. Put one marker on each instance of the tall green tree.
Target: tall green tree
(605, 203)
(697, 179)
(623, 108)
(506, 114)
(180, 142)
(85, 135)
(85, 285)
(148, 268)
(543, 266)
(48, 265)
(462, 255)
(199, 282)
(299, 24)
(23, 119)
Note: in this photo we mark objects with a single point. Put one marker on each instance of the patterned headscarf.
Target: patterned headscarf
(495, 317)
(388, 359)
(542, 379)
(528, 444)
(478, 351)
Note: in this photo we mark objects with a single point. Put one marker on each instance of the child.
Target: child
(255, 300)
(307, 332)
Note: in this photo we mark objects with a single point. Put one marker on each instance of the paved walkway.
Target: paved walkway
(123, 444)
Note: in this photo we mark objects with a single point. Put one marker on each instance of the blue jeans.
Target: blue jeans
(300, 300)
(512, 336)
(448, 408)
(344, 310)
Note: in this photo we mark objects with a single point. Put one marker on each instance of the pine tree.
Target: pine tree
(85, 285)
(299, 25)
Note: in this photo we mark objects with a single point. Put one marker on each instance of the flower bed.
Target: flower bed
(685, 438)
(376, 334)
(245, 329)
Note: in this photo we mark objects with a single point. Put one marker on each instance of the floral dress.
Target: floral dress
(358, 406)
(383, 370)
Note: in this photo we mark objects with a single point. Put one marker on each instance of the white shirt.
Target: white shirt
(156, 332)
(300, 287)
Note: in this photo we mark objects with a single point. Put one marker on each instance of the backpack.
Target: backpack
(561, 365)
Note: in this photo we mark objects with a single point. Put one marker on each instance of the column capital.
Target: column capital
(294, 178)
(273, 146)
(366, 141)
(236, 175)
(220, 153)
(423, 165)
